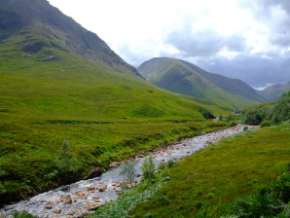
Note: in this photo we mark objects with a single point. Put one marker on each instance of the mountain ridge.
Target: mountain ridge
(274, 92)
(186, 78)
(41, 25)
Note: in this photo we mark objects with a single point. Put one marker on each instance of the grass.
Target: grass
(184, 78)
(205, 183)
(104, 116)
(268, 201)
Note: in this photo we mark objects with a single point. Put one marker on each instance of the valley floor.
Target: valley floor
(208, 182)
(34, 157)
(80, 198)
(203, 184)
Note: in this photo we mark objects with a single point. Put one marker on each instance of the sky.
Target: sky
(245, 39)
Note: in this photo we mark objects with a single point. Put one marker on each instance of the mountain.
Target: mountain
(274, 92)
(39, 25)
(185, 78)
(69, 106)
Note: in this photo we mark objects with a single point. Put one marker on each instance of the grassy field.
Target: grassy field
(61, 118)
(204, 184)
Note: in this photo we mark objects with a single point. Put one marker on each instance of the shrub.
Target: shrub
(206, 114)
(272, 201)
(128, 171)
(254, 117)
(67, 165)
(22, 215)
(266, 123)
(282, 187)
(281, 111)
(171, 163)
(148, 169)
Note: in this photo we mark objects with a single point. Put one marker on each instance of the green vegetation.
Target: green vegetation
(148, 169)
(268, 114)
(185, 78)
(206, 184)
(102, 115)
(128, 200)
(22, 215)
(275, 92)
(269, 201)
(128, 172)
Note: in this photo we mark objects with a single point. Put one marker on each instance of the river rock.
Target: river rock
(114, 164)
(92, 205)
(57, 211)
(91, 189)
(66, 199)
(48, 206)
(80, 194)
(102, 188)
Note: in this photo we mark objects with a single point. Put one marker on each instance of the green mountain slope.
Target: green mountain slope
(275, 92)
(69, 104)
(41, 26)
(182, 77)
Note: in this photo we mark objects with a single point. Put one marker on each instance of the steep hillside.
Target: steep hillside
(274, 92)
(69, 106)
(39, 26)
(182, 77)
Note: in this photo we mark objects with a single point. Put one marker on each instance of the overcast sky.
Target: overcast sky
(246, 39)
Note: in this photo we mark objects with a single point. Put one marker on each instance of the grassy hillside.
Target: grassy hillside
(269, 114)
(44, 26)
(61, 118)
(275, 92)
(206, 184)
(182, 77)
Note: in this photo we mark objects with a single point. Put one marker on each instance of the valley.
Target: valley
(83, 133)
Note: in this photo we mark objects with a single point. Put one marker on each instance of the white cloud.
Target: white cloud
(144, 25)
(139, 29)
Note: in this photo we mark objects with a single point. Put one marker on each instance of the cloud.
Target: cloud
(246, 39)
(205, 43)
(255, 69)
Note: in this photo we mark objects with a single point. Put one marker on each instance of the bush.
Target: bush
(206, 114)
(272, 201)
(254, 117)
(129, 171)
(22, 215)
(67, 166)
(281, 111)
(148, 169)
(266, 123)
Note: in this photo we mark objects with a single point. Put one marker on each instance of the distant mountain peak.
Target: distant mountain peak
(186, 78)
(275, 91)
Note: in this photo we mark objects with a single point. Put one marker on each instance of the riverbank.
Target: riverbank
(80, 198)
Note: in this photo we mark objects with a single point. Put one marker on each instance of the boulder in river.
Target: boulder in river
(49, 206)
(103, 188)
(93, 205)
(66, 199)
(57, 211)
